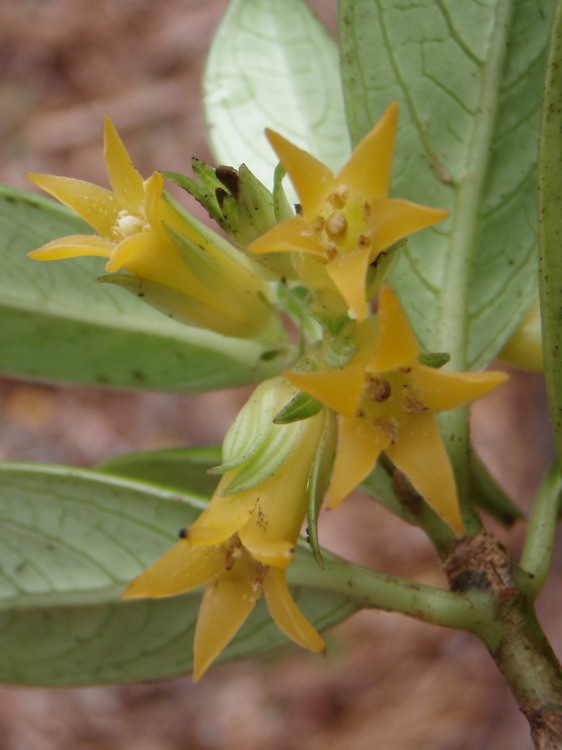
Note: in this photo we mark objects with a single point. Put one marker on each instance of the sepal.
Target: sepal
(300, 407)
(434, 359)
(318, 482)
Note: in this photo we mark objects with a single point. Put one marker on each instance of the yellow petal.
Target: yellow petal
(395, 344)
(394, 219)
(359, 446)
(340, 388)
(277, 554)
(97, 205)
(73, 246)
(180, 569)
(293, 235)
(137, 254)
(420, 454)
(370, 165)
(287, 615)
(348, 272)
(226, 604)
(440, 390)
(312, 179)
(224, 516)
(153, 201)
(126, 182)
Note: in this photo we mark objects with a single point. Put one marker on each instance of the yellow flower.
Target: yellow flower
(347, 218)
(241, 544)
(386, 400)
(176, 263)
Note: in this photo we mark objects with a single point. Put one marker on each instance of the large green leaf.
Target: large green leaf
(468, 77)
(69, 542)
(183, 468)
(57, 323)
(272, 64)
(550, 205)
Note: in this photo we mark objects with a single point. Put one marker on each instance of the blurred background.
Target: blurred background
(387, 682)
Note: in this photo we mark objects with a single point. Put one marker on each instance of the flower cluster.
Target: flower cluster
(363, 372)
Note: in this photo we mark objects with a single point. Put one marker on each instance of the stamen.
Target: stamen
(336, 225)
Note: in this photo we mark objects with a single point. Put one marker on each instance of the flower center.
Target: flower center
(128, 224)
(343, 223)
(388, 399)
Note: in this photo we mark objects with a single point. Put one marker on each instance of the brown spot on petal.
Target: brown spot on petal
(233, 550)
(339, 197)
(411, 403)
(377, 389)
(389, 425)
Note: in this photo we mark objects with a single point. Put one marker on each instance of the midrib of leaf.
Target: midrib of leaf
(452, 300)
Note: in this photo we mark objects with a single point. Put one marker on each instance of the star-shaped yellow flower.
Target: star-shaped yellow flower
(210, 284)
(241, 544)
(386, 401)
(347, 218)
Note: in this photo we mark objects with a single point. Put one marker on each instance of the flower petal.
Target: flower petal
(153, 200)
(223, 517)
(292, 235)
(439, 390)
(287, 615)
(137, 254)
(394, 219)
(395, 343)
(126, 182)
(369, 168)
(420, 454)
(97, 205)
(339, 388)
(359, 445)
(73, 246)
(180, 569)
(265, 550)
(312, 179)
(226, 604)
(348, 273)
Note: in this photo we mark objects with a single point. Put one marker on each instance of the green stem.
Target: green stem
(526, 660)
(539, 540)
(550, 226)
(486, 600)
(386, 485)
(454, 428)
(489, 496)
(369, 588)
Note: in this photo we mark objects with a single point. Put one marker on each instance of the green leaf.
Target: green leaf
(272, 64)
(550, 229)
(468, 77)
(58, 324)
(70, 540)
(185, 469)
(301, 406)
